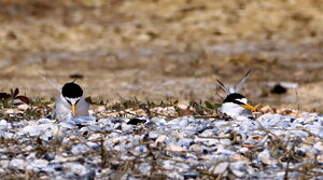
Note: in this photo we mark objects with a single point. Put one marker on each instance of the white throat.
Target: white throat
(234, 110)
(71, 100)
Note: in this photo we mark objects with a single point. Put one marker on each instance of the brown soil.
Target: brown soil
(156, 49)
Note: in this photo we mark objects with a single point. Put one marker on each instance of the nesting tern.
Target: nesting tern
(235, 104)
(71, 102)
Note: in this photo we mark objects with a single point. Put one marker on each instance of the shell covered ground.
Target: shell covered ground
(150, 68)
(173, 140)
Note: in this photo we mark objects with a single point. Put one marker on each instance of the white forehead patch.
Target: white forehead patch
(243, 100)
(72, 100)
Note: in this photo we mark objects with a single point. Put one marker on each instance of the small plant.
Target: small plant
(11, 99)
(212, 106)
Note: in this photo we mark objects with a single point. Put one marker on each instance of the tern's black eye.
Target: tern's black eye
(77, 101)
(234, 98)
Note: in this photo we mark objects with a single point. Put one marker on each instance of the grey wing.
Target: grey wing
(223, 87)
(237, 87)
(83, 108)
(61, 110)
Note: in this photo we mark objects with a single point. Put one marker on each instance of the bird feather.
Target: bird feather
(238, 86)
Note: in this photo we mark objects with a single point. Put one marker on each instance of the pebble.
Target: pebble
(145, 168)
(77, 168)
(79, 149)
(173, 148)
(18, 164)
(219, 168)
(266, 158)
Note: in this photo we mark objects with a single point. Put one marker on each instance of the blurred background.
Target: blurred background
(157, 49)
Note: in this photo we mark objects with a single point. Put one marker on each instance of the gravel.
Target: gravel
(272, 146)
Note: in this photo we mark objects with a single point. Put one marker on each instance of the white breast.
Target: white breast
(62, 110)
(234, 110)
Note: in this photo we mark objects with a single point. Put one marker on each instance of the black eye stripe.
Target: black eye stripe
(69, 102)
(72, 100)
(238, 102)
(233, 98)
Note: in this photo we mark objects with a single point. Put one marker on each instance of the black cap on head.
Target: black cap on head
(233, 98)
(72, 90)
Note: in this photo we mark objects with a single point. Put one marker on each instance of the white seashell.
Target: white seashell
(185, 142)
(145, 168)
(219, 168)
(159, 121)
(38, 164)
(5, 125)
(209, 132)
(153, 135)
(80, 149)
(175, 148)
(6, 135)
(173, 165)
(175, 175)
(161, 139)
(266, 158)
(44, 131)
(4, 163)
(238, 168)
(320, 158)
(67, 124)
(94, 136)
(244, 150)
(45, 121)
(139, 150)
(77, 168)
(207, 141)
(126, 127)
(201, 148)
(319, 146)
(83, 119)
(94, 128)
(17, 164)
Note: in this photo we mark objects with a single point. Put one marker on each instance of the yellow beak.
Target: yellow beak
(249, 107)
(73, 109)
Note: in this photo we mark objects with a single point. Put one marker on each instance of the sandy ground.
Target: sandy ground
(164, 49)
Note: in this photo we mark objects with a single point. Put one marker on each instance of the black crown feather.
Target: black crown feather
(233, 98)
(72, 90)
